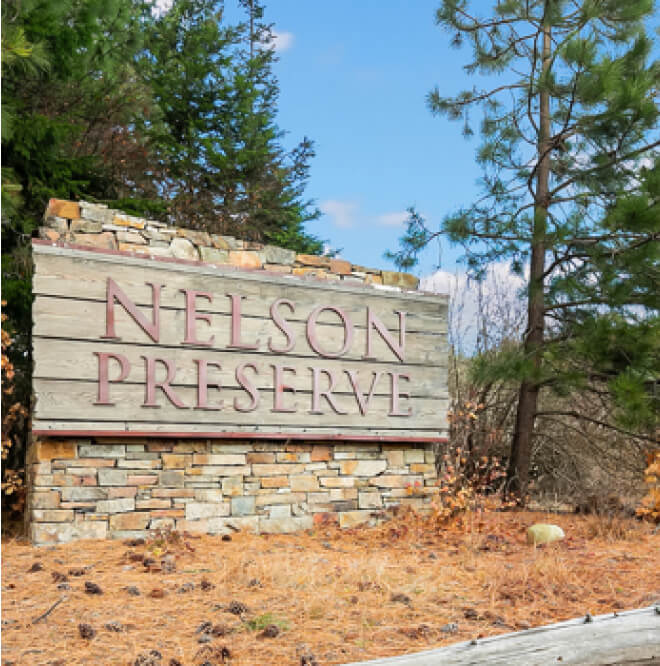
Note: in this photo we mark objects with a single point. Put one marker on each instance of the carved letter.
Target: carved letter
(203, 384)
(249, 387)
(282, 324)
(152, 384)
(114, 292)
(311, 331)
(104, 382)
(395, 409)
(374, 322)
(236, 324)
(362, 402)
(327, 394)
(279, 388)
(192, 316)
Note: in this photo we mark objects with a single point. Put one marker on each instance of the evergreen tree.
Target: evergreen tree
(220, 162)
(565, 138)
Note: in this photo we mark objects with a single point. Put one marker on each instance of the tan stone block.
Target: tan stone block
(370, 499)
(310, 272)
(320, 453)
(103, 241)
(402, 280)
(394, 458)
(167, 513)
(218, 459)
(422, 468)
(194, 526)
(141, 480)
(260, 457)
(340, 266)
(173, 492)
(189, 447)
(63, 208)
(349, 519)
(83, 462)
(50, 449)
(141, 505)
(49, 234)
(362, 467)
(313, 260)
(197, 237)
(121, 492)
(280, 498)
(337, 494)
(129, 521)
(394, 481)
(175, 460)
(337, 481)
(373, 279)
(326, 518)
(413, 456)
(124, 222)
(44, 499)
(274, 481)
(134, 248)
(160, 447)
(304, 483)
(244, 259)
(232, 486)
(278, 469)
(52, 515)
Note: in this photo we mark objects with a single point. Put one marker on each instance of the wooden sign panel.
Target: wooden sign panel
(131, 346)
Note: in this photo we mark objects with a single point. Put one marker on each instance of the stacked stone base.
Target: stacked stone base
(126, 488)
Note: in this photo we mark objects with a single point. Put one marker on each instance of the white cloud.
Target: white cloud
(341, 212)
(281, 41)
(481, 315)
(394, 219)
(160, 7)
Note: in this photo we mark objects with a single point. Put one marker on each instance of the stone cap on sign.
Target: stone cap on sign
(97, 226)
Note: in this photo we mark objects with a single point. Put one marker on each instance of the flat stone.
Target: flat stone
(274, 482)
(141, 480)
(260, 457)
(118, 505)
(320, 453)
(285, 525)
(219, 242)
(131, 237)
(277, 469)
(57, 223)
(219, 459)
(172, 478)
(394, 458)
(208, 495)
(175, 460)
(395, 481)
(83, 494)
(313, 260)
(278, 255)
(212, 255)
(340, 267)
(132, 520)
(63, 208)
(277, 268)
(401, 280)
(102, 241)
(232, 486)
(413, 456)
(245, 259)
(49, 234)
(50, 449)
(128, 221)
(197, 510)
(49, 533)
(52, 515)
(242, 506)
(122, 492)
(279, 511)
(370, 499)
(337, 481)
(304, 483)
(96, 212)
(349, 519)
(88, 226)
(102, 451)
(182, 248)
(109, 476)
(280, 498)
(197, 237)
(363, 467)
(544, 533)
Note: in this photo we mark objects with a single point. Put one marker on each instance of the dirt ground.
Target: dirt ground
(326, 597)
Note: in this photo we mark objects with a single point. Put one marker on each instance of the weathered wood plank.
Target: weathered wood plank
(625, 638)
(74, 359)
(55, 397)
(85, 320)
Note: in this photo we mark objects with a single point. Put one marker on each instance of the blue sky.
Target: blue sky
(353, 77)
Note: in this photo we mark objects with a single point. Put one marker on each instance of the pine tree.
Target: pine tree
(221, 165)
(566, 135)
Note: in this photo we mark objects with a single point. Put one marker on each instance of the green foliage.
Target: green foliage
(569, 144)
(260, 622)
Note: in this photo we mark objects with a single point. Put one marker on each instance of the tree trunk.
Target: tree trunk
(521, 446)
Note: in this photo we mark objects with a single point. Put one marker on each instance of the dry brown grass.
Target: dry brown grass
(333, 594)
